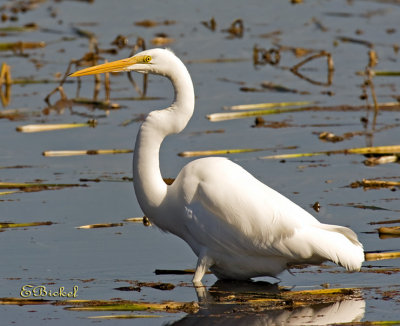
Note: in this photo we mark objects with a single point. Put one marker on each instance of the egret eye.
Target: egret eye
(147, 59)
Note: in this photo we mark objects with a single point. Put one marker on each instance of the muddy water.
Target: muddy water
(100, 260)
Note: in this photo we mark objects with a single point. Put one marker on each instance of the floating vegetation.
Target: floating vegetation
(371, 161)
(2, 193)
(125, 305)
(108, 305)
(221, 116)
(86, 152)
(137, 285)
(236, 30)
(384, 222)
(267, 86)
(130, 316)
(280, 298)
(262, 56)
(240, 300)
(105, 105)
(330, 137)
(51, 127)
(145, 220)
(106, 179)
(19, 47)
(374, 184)
(393, 230)
(381, 255)
(390, 149)
(6, 225)
(30, 187)
(211, 24)
(386, 73)
(266, 105)
(134, 219)
(99, 225)
(362, 206)
(5, 80)
(23, 301)
(229, 151)
(330, 68)
(19, 29)
(346, 39)
(153, 23)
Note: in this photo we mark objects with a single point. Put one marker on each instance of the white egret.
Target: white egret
(238, 227)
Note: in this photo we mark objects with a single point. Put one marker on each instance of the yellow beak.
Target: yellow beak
(114, 66)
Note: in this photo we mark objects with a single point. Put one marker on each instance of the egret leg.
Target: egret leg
(203, 263)
(203, 296)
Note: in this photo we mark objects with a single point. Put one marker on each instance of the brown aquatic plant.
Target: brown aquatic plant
(374, 184)
(5, 84)
(330, 68)
(211, 24)
(236, 30)
(262, 56)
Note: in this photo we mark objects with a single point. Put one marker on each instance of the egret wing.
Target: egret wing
(233, 210)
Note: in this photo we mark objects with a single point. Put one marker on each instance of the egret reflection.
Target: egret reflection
(214, 311)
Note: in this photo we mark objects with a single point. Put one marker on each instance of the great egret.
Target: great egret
(238, 227)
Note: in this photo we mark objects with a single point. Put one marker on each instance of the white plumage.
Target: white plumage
(237, 226)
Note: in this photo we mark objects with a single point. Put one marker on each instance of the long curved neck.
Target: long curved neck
(149, 186)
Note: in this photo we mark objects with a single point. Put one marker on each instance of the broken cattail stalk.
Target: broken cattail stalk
(22, 185)
(130, 316)
(22, 225)
(384, 222)
(371, 161)
(99, 225)
(98, 104)
(134, 219)
(239, 115)
(390, 149)
(145, 220)
(392, 230)
(387, 73)
(19, 29)
(86, 152)
(265, 105)
(372, 256)
(228, 151)
(218, 152)
(51, 127)
(38, 81)
(366, 183)
(20, 46)
(330, 68)
(3, 193)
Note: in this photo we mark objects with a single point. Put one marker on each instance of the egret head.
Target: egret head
(156, 61)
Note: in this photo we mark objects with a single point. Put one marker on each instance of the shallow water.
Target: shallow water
(94, 260)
